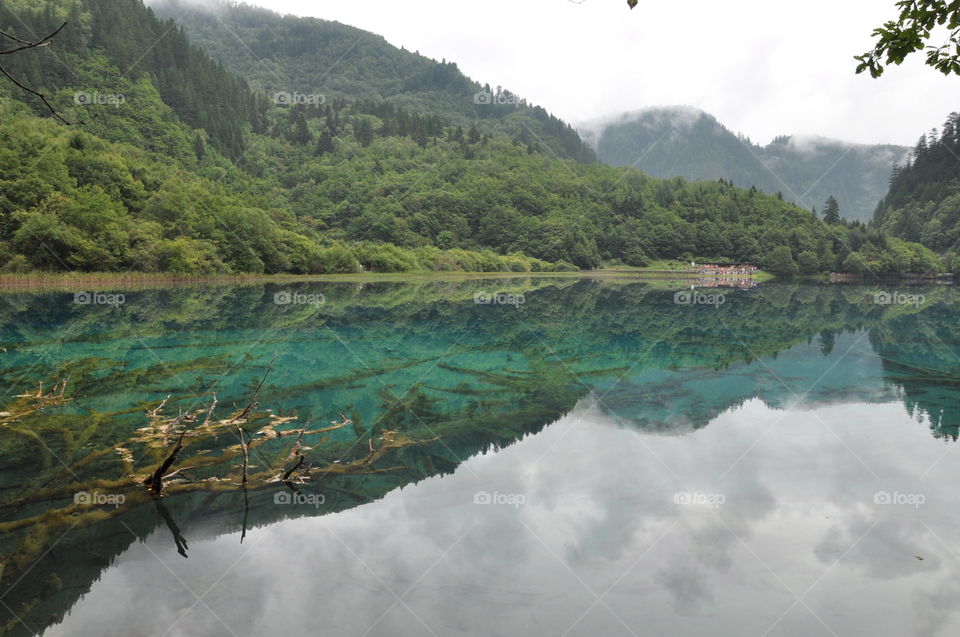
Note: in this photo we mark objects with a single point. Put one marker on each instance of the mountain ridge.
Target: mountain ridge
(667, 141)
(287, 53)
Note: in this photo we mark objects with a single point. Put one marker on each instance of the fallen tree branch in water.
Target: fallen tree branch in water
(253, 404)
(295, 453)
(155, 482)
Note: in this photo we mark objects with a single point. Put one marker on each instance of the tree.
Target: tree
(363, 131)
(808, 262)
(856, 263)
(780, 260)
(200, 144)
(831, 211)
(298, 132)
(325, 144)
(910, 33)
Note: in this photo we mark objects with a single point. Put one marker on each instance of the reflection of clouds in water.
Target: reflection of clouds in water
(686, 580)
(597, 499)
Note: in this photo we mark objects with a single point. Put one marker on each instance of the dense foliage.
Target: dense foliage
(106, 42)
(347, 185)
(923, 204)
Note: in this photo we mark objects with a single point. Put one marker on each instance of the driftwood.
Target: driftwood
(238, 418)
(253, 404)
(246, 452)
(296, 453)
(155, 482)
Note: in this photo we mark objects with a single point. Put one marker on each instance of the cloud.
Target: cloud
(763, 68)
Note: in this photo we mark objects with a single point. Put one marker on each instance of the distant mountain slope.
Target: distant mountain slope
(311, 56)
(682, 141)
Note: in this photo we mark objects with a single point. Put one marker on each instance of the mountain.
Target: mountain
(683, 141)
(923, 203)
(290, 55)
(183, 167)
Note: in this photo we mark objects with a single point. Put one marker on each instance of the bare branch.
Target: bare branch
(33, 45)
(29, 45)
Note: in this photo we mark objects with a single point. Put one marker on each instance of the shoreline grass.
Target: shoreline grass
(81, 280)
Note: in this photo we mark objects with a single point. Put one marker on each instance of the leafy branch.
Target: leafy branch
(911, 32)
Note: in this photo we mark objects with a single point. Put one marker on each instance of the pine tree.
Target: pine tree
(325, 144)
(473, 136)
(363, 131)
(831, 211)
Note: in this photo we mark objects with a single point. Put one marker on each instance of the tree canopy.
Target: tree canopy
(911, 32)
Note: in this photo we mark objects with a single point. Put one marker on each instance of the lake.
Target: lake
(519, 456)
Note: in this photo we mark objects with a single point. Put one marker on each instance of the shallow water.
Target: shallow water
(592, 458)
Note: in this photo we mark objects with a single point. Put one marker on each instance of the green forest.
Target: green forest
(923, 204)
(181, 166)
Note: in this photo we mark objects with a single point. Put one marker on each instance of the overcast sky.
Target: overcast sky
(762, 67)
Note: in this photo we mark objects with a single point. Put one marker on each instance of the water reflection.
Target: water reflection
(792, 399)
(600, 544)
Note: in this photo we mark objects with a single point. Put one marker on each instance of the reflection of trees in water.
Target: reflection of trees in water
(920, 354)
(412, 437)
(443, 379)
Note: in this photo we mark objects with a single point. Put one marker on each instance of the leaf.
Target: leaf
(632, 3)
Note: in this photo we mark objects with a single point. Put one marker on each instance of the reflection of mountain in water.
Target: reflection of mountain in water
(675, 401)
(452, 377)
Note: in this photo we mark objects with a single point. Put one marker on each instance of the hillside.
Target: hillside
(681, 141)
(289, 54)
(923, 204)
(169, 177)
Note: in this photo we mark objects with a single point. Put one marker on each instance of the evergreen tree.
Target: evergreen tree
(363, 131)
(325, 143)
(298, 133)
(831, 211)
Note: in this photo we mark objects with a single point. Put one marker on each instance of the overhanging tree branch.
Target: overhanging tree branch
(26, 44)
(911, 33)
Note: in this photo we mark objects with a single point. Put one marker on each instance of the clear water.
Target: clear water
(597, 459)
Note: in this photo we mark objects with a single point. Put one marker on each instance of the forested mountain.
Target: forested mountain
(290, 54)
(168, 175)
(682, 141)
(924, 200)
(103, 53)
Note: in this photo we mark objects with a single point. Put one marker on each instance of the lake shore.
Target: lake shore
(80, 281)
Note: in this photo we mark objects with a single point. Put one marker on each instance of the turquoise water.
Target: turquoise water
(574, 457)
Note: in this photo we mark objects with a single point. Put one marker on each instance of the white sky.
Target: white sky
(763, 67)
